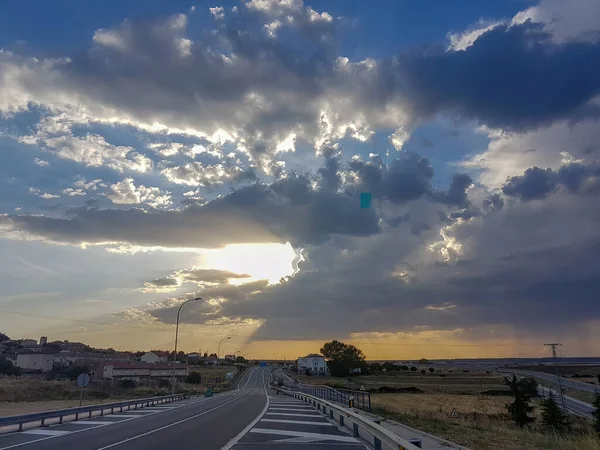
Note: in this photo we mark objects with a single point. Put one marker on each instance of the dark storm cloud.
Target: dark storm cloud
(505, 275)
(457, 192)
(511, 77)
(210, 308)
(288, 210)
(163, 282)
(537, 183)
(405, 178)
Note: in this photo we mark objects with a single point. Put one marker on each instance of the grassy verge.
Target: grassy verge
(485, 427)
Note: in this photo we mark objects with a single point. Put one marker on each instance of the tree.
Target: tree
(423, 371)
(553, 417)
(240, 359)
(194, 378)
(338, 351)
(423, 361)
(341, 358)
(4, 337)
(128, 384)
(523, 390)
(431, 370)
(8, 368)
(413, 369)
(596, 414)
(376, 367)
(205, 355)
(75, 370)
(403, 367)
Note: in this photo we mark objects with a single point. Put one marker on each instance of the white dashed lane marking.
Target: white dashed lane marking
(299, 422)
(304, 434)
(89, 422)
(43, 432)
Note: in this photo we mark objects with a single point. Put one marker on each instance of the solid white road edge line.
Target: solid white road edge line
(178, 422)
(241, 434)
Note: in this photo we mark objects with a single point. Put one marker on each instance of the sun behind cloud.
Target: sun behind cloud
(261, 261)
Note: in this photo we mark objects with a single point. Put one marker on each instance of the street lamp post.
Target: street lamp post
(176, 333)
(219, 347)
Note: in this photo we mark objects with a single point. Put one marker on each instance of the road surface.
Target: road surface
(572, 404)
(566, 382)
(251, 416)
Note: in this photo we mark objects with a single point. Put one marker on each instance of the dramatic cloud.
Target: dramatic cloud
(537, 183)
(288, 210)
(198, 174)
(200, 277)
(163, 134)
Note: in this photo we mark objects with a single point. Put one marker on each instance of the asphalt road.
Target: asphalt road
(568, 383)
(207, 423)
(572, 404)
(249, 417)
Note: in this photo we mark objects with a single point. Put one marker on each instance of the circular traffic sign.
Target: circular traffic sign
(83, 380)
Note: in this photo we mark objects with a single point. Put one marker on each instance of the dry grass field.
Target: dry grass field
(482, 423)
(24, 395)
(441, 403)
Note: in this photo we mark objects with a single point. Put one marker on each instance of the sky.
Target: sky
(157, 151)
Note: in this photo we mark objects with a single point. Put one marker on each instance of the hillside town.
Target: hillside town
(43, 359)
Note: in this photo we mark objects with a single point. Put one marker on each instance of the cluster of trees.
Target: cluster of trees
(389, 367)
(8, 368)
(343, 358)
(553, 418)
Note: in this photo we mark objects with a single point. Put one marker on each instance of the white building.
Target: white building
(42, 361)
(154, 357)
(315, 363)
(141, 371)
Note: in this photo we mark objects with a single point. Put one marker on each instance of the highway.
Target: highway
(566, 382)
(251, 416)
(572, 404)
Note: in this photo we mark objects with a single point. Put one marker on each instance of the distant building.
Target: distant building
(154, 357)
(42, 361)
(230, 357)
(27, 342)
(193, 355)
(144, 371)
(314, 363)
(43, 340)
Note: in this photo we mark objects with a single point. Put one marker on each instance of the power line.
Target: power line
(560, 388)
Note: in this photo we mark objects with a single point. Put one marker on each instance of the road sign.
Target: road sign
(83, 380)
(362, 388)
(454, 413)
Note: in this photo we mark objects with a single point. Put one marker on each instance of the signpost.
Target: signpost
(82, 381)
(362, 388)
(454, 413)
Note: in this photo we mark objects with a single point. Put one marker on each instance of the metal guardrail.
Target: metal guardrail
(360, 399)
(360, 426)
(61, 413)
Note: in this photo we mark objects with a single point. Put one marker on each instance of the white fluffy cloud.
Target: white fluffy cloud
(509, 154)
(127, 193)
